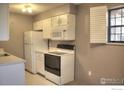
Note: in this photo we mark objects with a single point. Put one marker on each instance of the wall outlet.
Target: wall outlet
(89, 73)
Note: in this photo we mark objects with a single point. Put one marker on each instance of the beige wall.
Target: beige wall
(105, 61)
(18, 25)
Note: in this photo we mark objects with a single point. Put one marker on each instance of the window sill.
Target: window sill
(109, 43)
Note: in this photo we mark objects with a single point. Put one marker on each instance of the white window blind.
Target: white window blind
(98, 24)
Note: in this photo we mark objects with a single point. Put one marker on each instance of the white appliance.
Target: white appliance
(58, 35)
(33, 41)
(59, 66)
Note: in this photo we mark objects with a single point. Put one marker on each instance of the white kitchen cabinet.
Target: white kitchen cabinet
(63, 19)
(63, 27)
(4, 22)
(60, 20)
(47, 28)
(38, 25)
(12, 74)
(55, 21)
(68, 32)
(40, 63)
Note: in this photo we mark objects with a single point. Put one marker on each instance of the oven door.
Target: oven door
(53, 64)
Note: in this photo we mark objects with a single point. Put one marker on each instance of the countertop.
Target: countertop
(64, 51)
(11, 59)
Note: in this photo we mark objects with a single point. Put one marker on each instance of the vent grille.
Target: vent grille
(57, 34)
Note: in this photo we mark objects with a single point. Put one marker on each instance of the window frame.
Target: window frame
(109, 25)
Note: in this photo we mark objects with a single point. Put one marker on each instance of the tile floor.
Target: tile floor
(36, 79)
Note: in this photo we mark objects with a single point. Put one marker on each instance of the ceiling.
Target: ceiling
(36, 7)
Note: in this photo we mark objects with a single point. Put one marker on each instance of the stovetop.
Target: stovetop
(58, 53)
(62, 49)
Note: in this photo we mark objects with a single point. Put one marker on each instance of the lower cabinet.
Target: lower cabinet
(4, 22)
(47, 28)
(40, 63)
(12, 74)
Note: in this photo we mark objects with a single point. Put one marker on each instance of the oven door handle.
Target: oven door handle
(52, 68)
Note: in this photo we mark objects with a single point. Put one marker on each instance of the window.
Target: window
(116, 25)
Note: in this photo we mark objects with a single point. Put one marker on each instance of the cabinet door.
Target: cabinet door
(68, 32)
(4, 22)
(40, 63)
(63, 20)
(64, 30)
(55, 21)
(35, 26)
(47, 28)
(38, 25)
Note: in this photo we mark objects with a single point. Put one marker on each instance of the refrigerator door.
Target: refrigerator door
(29, 56)
(33, 41)
(28, 37)
(38, 41)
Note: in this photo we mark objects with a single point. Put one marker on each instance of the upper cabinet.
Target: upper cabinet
(63, 27)
(98, 24)
(38, 25)
(60, 27)
(4, 22)
(55, 21)
(63, 19)
(47, 28)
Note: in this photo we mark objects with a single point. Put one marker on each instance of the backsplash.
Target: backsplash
(54, 43)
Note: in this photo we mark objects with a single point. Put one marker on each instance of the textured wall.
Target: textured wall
(105, 61)
(18, 25)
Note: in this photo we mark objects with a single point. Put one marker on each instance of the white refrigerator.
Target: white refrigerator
(33, 40)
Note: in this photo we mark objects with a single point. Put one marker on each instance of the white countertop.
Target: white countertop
(8, 60)
(52, 49)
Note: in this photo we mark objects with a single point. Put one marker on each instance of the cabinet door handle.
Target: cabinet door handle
(64, 30)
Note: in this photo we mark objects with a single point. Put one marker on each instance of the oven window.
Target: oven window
(53, 64)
